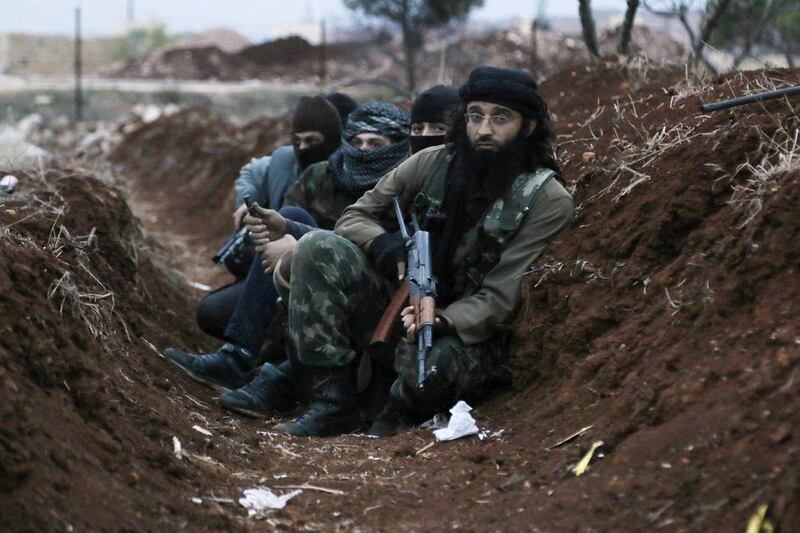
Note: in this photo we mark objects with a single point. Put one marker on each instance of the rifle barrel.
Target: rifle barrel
(749, 99)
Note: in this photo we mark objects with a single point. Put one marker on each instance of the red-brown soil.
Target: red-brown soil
(665, 318)
(181, 169)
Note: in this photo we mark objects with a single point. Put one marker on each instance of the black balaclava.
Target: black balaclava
(343, 103)
(315, 113)
(433, 105)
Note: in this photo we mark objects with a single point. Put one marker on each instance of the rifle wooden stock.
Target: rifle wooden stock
(387, 322)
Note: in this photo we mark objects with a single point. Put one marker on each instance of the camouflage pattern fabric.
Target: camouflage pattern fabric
(455, 371)
(336, 299)
(317, 193)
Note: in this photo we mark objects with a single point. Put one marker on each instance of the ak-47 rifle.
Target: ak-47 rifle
(419, 289)
(749, 99)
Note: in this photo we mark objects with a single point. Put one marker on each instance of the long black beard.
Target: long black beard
(492, 171)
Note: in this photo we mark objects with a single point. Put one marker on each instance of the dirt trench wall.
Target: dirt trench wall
(83, 302)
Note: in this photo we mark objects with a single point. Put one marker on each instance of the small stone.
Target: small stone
(587, 156)
(781, 434)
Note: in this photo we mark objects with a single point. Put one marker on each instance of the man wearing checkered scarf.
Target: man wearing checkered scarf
(374, 141)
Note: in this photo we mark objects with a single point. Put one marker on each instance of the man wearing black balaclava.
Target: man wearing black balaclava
(430, 116)
(239, 313)
(496, 203)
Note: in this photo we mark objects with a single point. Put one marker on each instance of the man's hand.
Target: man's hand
(268, 226)
(238, 215)
(272, 251)
(388, 255)
(408, 317)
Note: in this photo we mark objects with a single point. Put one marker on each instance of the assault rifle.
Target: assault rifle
(231, 246)
(749, 99)
(419, 289)
(236, 245)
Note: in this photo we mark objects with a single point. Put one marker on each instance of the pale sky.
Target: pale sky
(251, 18)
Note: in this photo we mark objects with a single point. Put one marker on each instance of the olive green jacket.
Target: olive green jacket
(476, 317)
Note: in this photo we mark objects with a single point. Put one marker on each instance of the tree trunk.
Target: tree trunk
(409, 49)
(710, 23)
(587, 24)
(627, 28)
(534, 59)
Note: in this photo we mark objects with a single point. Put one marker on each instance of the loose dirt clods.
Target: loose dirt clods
(664, 324)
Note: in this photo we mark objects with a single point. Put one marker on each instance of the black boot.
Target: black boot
(228, 368)
(394, 417)
(268, 394)
(333, 409)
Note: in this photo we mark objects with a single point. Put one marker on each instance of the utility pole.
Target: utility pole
(78, 65)
(323, 55)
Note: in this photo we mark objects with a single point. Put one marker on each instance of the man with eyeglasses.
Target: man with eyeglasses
(491, 200)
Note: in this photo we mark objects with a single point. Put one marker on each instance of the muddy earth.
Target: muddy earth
(662, 325)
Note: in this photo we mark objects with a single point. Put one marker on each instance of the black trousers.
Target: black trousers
(240, 312)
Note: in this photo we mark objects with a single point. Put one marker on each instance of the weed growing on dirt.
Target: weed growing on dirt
(93, 308)
(781, 156)
(693, 83)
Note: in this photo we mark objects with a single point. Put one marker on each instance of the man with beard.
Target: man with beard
(374, 141)
(491, 203)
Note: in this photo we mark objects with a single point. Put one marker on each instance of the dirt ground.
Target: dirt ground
(664, 321)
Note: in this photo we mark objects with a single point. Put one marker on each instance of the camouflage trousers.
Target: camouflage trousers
(337, 298)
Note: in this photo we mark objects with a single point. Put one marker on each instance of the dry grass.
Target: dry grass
(780, 156)
(93, 306)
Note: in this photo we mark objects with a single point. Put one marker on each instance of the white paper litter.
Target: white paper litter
(461, 424)
(8, 184)
(260, 499)
(176, 448)
(196, 501)
(204, 431)
(201, 286)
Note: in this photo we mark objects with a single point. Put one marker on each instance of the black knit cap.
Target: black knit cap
(343, 103)
(432, 105)
(511, 88)
(316, 113)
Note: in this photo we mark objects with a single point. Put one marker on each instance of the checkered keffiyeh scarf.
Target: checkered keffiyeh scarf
(361, 169)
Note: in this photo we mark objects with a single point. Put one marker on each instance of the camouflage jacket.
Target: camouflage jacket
(317, 193)
(483, 309)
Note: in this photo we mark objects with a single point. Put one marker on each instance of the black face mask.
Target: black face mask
(314, 154)
(420, 142)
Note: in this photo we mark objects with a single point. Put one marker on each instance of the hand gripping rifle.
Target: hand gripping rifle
(420, 289)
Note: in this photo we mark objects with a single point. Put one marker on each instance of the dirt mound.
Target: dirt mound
(198, 63)
(182, 167)
(82, 298)
(290, 59)
(667, 317)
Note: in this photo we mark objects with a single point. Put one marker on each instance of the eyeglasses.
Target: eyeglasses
(476, 119)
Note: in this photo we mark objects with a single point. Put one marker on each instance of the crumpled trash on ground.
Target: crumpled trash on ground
(260, 499)
(8, 184)
(461, 424)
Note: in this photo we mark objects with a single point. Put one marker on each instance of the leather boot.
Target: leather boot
(333, 408)
(228, 368)
(394, 417)
(268, 394)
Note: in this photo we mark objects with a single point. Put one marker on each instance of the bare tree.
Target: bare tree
(679, 9)
(587, 25)
(414, 18)
(624, 47)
